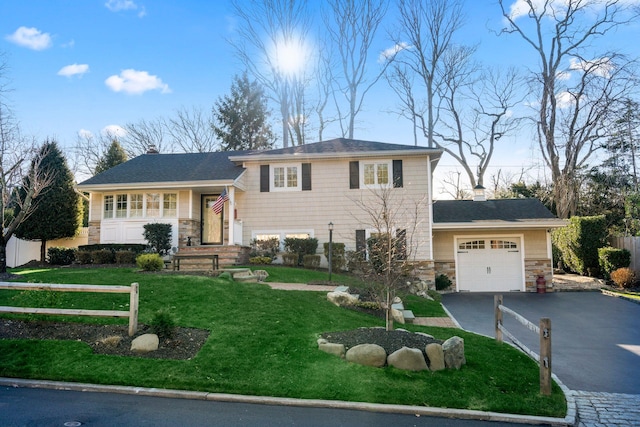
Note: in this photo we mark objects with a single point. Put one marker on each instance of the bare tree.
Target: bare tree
(89, 150)
(145, 134)
(576, 87)
(16, 155)
(269, 33)
(392, 246)
(476, 112)
(452, 186)
(352, 26)
(191, 130)
(426, 31)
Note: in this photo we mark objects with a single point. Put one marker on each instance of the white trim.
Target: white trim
(519, 224)
(430, 206)
(285, 166)
(376, 163)
(431, 152)
(456, 237)
(168, 185)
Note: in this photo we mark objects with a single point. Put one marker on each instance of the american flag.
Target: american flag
(219, 203)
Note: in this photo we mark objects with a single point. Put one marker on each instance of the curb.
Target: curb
(617, 295)
(314, 403)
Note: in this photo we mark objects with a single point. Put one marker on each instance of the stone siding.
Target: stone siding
(447, 268)
(188, 228)
(94, 233)
(535, 267)
(424, 270)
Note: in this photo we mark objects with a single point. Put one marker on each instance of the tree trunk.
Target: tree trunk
(3, 256)
(389, 314)
(43, 251)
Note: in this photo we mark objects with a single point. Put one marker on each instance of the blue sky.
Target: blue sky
(86, 65)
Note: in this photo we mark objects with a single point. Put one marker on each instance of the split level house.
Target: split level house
(481, 245)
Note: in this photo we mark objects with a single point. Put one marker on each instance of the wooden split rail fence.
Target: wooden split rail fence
(543, 330)
(132, 290)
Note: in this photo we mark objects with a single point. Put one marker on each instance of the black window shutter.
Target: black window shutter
(397, 174)
(264, 178)
(306, 177)
(361, 241)
(354, 174)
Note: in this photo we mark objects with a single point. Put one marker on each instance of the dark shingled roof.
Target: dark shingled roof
(445, 211)
(171, 168)
(339, 145)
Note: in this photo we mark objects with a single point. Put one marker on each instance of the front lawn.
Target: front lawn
(263, 342)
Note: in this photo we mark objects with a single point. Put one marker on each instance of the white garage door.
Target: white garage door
(489, 264)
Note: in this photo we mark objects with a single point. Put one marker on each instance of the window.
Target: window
(286, 178)
(473, 244)
(108, 206)
(170, 205)
(153, 205)
(136, 206)
(121, 206)
(503, 244)
(375, 174)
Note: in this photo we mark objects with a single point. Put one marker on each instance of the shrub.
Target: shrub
(163, 324)
(443, 282)
(125, 257)
(260, 260)
(265, 247)
(61, 256)
(84, 257)
(337, 255)
(290, 260)
(158, 236)
(611, 259)
(579, 242)
(113, 247)
(103, 256)
(302, 247)
(623, 277)
(355, 261)
(150, 262)
(311, 261)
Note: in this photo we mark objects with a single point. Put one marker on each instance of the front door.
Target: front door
(212, 223)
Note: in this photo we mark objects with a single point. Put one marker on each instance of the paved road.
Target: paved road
(595, 338)
(42, 407)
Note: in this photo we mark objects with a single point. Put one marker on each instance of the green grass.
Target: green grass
(301, 275)
(263, 342)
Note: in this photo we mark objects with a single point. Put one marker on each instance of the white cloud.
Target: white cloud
(85, 134)
(392, 51)
(520, 8)
(113, 130)
(73, 70)
(563, 75)
(565, 99)
(31, 38)
(119, 5)
(601, 67)
(136, 82)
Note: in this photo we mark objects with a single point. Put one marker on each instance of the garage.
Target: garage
(489, 264)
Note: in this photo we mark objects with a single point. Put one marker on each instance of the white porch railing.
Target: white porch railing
(237, 232)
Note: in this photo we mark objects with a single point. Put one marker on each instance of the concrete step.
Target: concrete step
(408, 315)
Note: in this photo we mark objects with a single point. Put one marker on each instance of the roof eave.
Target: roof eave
(154, 185)
(432, 152)
(472, 225)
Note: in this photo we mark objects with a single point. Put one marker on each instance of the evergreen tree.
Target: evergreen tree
(58, 211)
(113, 157)
(241, 118)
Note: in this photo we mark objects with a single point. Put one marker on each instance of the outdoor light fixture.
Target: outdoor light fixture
(330, 247)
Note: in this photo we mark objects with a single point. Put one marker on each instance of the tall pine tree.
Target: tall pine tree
(241, 118)
(113, 157)
(58, 211)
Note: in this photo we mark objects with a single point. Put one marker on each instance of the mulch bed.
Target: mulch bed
(183, 345)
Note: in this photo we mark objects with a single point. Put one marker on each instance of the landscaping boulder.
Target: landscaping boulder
(368, 355)
(436, 356)
(398, 317)
(331, 348)
(342, 299)
(260, 275)
(409, 359)
(453, 349)
(145, 343)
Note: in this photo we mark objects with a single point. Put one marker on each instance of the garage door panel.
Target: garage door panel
(489, 264)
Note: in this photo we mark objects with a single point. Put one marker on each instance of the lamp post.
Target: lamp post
(330, 247)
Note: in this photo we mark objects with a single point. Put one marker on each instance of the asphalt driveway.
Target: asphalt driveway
(595, 338)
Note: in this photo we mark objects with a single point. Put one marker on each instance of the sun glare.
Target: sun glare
(290, 56)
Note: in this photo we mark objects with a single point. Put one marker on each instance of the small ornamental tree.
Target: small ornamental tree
(58, 210)
(113, 157)
(391, 247)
